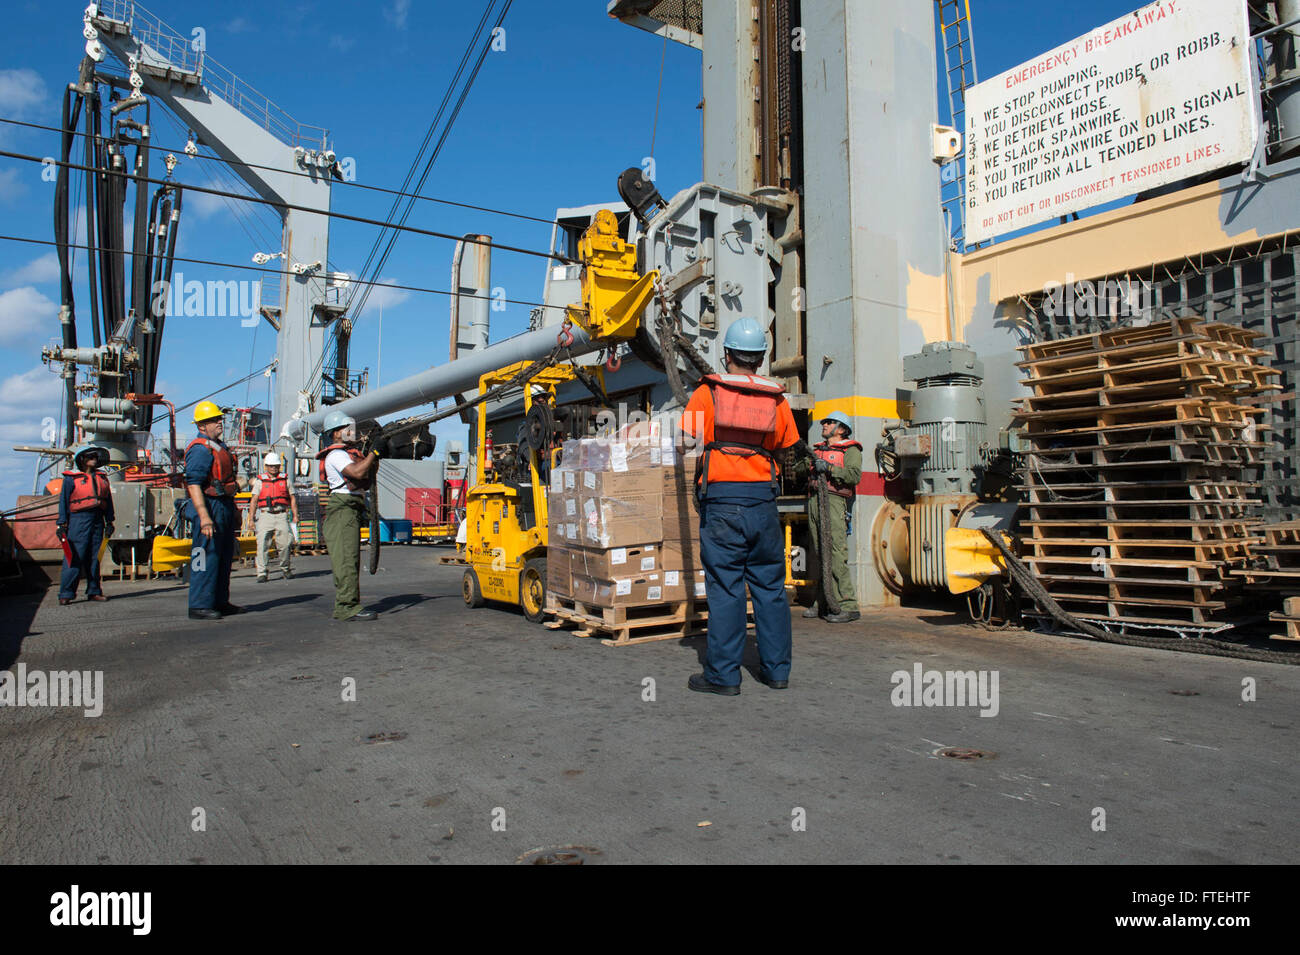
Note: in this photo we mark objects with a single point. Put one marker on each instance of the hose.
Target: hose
(372, 499)
(1204, 645)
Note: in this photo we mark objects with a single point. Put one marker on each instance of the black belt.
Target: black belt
(275, 509)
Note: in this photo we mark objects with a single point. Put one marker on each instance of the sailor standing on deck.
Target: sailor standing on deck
(838, 457)
(211, 484)
(273, 507)
(85, 519)
(742, 420)
(348, 472)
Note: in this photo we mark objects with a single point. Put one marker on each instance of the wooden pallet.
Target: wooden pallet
(1143, 469)
(1290, 616)
(625, 626)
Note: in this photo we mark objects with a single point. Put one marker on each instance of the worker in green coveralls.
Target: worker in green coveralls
(840, 459)
(348, 472)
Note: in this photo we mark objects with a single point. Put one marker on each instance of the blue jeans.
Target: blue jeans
(210, 576)
(85, 534)
(743, 543)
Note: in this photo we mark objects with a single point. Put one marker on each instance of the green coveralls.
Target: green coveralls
(842, 582)
(341, 528)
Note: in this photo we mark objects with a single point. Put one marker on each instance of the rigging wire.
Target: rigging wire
(8, 154)
(258, 268)
(437, 149)
(313, 176)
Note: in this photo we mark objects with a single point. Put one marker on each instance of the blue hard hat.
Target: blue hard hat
(839, 417)
(746, 336)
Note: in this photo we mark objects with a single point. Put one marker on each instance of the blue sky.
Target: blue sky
(551, 121)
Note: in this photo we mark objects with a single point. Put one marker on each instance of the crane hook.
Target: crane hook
(613, 363)
(565, 338)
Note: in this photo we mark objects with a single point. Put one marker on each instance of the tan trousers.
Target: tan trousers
(273, 528)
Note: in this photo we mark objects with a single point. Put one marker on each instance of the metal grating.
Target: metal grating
(1256, 290)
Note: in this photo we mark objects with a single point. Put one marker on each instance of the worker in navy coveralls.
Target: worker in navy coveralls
(211, 485)
(85, 519)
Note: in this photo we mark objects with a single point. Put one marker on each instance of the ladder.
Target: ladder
(958, 42)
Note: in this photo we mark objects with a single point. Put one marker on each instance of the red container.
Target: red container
(423, 505)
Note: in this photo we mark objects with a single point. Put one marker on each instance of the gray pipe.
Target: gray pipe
(442, 381)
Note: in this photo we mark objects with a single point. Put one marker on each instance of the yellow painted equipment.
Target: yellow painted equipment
(614, 294)
(170, 553)
(505, 526)
(971, 558)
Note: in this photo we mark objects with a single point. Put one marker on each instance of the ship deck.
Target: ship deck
(465, 718)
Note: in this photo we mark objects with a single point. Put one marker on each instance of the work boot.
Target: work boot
(64, 601)
(230, 609)
(261, 578)
(774, 684)
(98, 598)
(844, 616)
(205, 614)
(811, 613)
(288, 574)
(362, 615)
(700, 684)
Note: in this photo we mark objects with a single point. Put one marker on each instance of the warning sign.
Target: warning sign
(1151, 98)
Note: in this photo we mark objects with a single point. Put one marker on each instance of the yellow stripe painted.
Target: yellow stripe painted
(860, 406)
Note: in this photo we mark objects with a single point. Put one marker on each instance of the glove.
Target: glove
(108, 528)
(61, 532)
(382, 446)
(821, 466)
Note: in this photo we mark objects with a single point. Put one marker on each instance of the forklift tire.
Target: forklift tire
(532, 590)
(471, 591)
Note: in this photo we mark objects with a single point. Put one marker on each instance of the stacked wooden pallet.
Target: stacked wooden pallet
(1143, 468)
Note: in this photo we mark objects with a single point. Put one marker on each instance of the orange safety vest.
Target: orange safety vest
(274, 493)
(744, 414)
(89, 491)
(221, 480)
(833, 454)
(354, 454)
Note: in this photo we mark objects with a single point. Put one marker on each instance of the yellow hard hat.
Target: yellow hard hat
(206, 411)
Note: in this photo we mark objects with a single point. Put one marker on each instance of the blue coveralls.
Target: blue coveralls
(209, 576)
(741, 542)
(85, 534)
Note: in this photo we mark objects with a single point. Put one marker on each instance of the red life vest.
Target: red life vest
(354, 454)
(833, 454)
(744, 415)
(274, 493)
(89, 491)
(221, 480)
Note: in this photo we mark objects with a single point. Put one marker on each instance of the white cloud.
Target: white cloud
(25, 313)
(395, 13)
(44, 268)
(22, 93)
(382, 295)
(10, 185)
(204, 205)
(239, 25)
(26, 400)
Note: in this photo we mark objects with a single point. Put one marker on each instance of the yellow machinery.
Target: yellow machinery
(505, 524)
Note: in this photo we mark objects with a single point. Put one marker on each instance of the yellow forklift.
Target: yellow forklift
(506, 519)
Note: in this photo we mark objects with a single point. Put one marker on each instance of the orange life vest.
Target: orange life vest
(744, 415)
(89, 491)
(354, 454)
(833, 454)
(274, 493)
(221, 480)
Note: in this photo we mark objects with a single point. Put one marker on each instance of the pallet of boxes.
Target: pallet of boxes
(623, 558)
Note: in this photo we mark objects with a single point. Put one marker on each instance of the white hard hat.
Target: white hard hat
(270, 459)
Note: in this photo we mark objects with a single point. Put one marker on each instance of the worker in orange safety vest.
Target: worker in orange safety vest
(274, 512)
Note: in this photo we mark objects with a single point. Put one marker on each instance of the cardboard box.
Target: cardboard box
(680, 555)
(559, 579)
(620, 522)
(638, 591)
(616, 485)
(614, 562)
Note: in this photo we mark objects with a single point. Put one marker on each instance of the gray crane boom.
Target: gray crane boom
(442, 381)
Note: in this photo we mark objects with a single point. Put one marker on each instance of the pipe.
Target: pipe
(441, 381)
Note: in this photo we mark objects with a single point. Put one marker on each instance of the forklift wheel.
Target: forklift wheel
(532, 589)
(471, 591)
